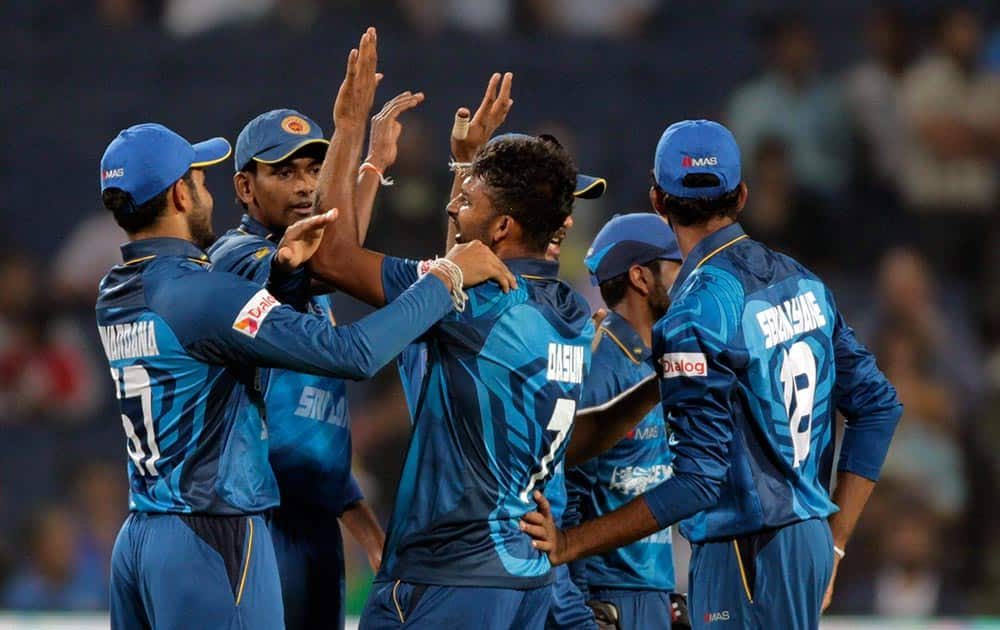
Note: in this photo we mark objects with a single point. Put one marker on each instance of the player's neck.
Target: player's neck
(688, 236)
(508, 249)
(634, 309)
(173, 225)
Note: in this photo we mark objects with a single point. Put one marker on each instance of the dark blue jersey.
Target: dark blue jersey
(307, 417)
(493, 392)
(755, 360)
(638, 463)
(184, 346)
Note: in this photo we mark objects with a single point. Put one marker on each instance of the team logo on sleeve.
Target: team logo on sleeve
(689, 364)
(254, 312)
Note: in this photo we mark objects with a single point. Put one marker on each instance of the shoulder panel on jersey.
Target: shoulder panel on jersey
(121, 288)
(562, 306)
(247, 255)
(712, 303)
(196, 303)
(487, 303)
(610, 373)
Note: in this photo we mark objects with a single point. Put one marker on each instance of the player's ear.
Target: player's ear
(744, 193)
(656, 200)
(637, 278)
(180, 195)
(502, 227)
(244, 187)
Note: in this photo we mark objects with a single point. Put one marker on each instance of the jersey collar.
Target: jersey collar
(148, 248)
(251, 225)
(706, 249)
(534, 268)
(618, 330)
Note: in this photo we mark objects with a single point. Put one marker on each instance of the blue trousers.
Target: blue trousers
(176, 571)
(404, 605)
(638, 610)
(772, 579)
(310, 554)
(569, 610)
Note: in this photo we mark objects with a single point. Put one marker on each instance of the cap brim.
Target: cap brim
(209, 152)
(283, 151)
(588, 187)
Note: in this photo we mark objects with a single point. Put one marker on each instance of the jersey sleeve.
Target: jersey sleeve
(869, 404)
(350, 494)
(397, 275)
(252, 257)
(222, 318)
(697, 385)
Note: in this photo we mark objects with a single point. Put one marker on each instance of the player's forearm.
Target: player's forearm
(851, 495)
(337, 179)
(364, 199)
(597, 429)
(360, 521)
(624, 526)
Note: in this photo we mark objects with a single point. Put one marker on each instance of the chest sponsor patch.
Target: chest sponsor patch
(690, 364)
(254, 312)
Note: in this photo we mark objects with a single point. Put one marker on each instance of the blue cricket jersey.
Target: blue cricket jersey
(307, 416)
(636, 464)
(493, 392)
(755, 359)
(184, 346)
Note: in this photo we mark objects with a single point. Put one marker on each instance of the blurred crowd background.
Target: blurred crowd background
(871, 147)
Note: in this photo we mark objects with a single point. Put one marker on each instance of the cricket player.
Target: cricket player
(634, 260)
(494, 399)
(278, 158)
(184, 346)
(754, 359)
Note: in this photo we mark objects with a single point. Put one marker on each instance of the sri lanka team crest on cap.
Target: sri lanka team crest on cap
(296, 125)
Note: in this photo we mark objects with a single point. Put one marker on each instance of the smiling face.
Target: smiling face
(280, 194)
(555, 245)
(473, 213)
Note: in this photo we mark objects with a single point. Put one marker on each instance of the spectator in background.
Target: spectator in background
(188, 18)
(952, 109)
(593, 18)
(50, 576)
(483, 17)
(872, 93)
(83, 259)
(790, 220)
(792, 101)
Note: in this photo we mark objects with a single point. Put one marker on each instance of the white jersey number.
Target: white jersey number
(132, 381)
(560, 422)
(798, 375)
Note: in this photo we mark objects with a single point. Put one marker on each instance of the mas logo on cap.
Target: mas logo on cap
(296, 125)
(689, 162)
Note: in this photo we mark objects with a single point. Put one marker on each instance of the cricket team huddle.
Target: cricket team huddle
(552, 449)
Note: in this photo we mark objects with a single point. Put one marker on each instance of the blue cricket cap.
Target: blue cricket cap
(275, 135)
(587, 186)
(697, 146)
(630, 239)
(144, 160)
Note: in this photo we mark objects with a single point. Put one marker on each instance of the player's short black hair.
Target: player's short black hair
(532, 180)
(613, 289)
(697, 210)
(135, 218)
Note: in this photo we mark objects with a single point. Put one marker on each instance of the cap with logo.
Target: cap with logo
(587, 186)
(691, 147)
(275, 135)
(630, 239)
(144, 160)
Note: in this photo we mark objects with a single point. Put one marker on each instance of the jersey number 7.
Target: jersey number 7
(135, 397)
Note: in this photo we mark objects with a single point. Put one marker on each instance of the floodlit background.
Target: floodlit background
(870, 138)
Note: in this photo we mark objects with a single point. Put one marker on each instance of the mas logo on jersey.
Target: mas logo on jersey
(722, 615)
(254, 312)
(689, 364)
(296, 125)
(565, 363)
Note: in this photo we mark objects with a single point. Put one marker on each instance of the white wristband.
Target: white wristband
(454, 273)
(837, 551)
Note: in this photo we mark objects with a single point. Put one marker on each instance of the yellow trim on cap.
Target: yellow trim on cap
(597, 181)
(296, 148)
(229, 152)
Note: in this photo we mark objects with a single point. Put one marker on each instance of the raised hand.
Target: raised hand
(301, 240)
(491, 114)
(386, 128)
(357, 92)
(541, 526)
(479, 264)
